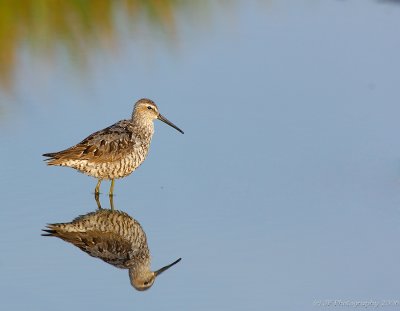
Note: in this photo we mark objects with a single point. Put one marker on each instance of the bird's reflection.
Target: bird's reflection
(114, 237)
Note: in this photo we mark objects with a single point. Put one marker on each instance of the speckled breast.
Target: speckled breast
(113, 169)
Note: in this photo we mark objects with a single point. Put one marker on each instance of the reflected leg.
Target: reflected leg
(96, 197)
(112, 202)
(111, 193)
(97, 189)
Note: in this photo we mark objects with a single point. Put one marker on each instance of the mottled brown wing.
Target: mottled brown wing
(107, 246)
(109, 144)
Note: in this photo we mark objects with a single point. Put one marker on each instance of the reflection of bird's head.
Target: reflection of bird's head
(146, 110)
(144, 279)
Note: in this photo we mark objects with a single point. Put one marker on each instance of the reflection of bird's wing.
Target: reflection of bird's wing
(109, 144)
(108, 246)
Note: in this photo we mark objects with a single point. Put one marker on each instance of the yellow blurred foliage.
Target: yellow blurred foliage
(43, 26)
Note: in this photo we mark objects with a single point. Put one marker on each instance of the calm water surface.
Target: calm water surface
(284, 190)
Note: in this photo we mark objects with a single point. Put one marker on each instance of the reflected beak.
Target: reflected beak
(165, 120)
(158, 272)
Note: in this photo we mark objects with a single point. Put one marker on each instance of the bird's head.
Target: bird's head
(148, 110)
(143, 280)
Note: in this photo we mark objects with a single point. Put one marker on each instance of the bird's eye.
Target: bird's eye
(146, 283)
(149, 107)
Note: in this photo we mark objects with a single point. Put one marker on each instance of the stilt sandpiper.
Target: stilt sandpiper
(116, 151)
(114, 237)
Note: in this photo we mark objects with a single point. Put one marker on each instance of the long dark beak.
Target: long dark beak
(165, 120)
(158, 272)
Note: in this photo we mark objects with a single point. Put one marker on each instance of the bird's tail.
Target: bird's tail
(49, 155)
(49, 232)
(54, 158)
(58, 230)
(66, 232)
(53, 230)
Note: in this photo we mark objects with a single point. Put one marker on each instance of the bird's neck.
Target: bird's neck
(143, 126)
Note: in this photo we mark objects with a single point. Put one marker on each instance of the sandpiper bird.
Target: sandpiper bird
(115, 151)
(114, 237)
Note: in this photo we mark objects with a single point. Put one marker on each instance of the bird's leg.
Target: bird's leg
(96, 197)
(112, 202)
(111, 188)
(97, 189)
